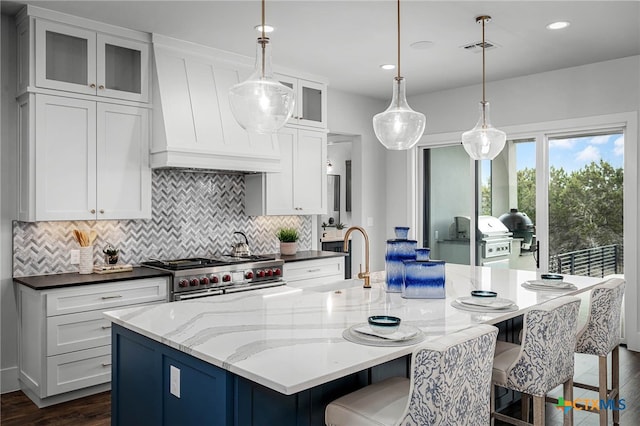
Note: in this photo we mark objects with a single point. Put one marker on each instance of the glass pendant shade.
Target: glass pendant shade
(484, 142)
(399, 127)
(261, 104)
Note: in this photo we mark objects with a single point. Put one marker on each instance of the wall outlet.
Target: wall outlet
(369, 221)
(174, 381)
(75, 257)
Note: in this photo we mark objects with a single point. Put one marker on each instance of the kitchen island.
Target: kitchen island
(277, 356)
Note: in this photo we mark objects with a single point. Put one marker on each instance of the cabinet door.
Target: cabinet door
(65, 57)
(310, 173)
(122, 68)
(279, 187)
(65, 158)
(311, 101)
(123, 173)
(312, 107)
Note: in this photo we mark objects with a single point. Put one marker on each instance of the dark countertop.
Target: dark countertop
(45, 282)
(308, 255)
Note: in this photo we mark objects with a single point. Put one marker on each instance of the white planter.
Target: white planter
(288, 248)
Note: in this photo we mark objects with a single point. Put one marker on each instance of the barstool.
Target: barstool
(449, 385)
(543, 361)
(601, 336)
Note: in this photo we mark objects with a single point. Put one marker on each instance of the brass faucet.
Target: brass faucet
(363, 275)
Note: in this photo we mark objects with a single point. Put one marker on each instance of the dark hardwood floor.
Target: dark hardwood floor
(95, 410)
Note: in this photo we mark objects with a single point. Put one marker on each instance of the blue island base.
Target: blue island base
(208, 395)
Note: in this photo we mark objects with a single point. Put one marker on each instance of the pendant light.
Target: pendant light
(399, 127)
(261, 104)
(483, 142)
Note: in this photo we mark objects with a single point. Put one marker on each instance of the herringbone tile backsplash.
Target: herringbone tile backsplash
(193, 214)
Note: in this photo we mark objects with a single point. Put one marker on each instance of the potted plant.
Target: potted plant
(339, 229)
(288, 240)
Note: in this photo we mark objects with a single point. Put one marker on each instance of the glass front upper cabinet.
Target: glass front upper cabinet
(77, 60)
(311, 101)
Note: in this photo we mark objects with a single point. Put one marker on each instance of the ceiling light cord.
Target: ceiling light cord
(399, 41)
(263, 39)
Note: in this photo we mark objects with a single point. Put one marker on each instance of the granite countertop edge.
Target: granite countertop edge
(71, 279)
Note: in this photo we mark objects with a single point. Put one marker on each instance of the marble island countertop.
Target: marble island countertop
(290, 339)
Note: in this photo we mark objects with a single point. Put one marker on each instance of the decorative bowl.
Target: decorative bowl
(484, 296)
(551, 278)
(384, 324)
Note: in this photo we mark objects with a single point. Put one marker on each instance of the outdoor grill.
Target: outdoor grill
(520, 226)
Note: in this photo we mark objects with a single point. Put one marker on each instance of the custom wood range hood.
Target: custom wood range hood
(193, 127)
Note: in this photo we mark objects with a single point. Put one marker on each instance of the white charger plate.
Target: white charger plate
(489, 302)
(483, 308)
(539, 285)
(405, 330)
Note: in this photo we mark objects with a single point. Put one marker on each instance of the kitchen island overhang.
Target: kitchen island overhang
(290, 340)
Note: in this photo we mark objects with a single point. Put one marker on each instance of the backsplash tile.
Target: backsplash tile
(193, 214)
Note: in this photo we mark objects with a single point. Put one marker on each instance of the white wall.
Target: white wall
(352, 114)
(590, 90)
(8, 202)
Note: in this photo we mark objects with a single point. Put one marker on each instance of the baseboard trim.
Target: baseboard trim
(9, 380)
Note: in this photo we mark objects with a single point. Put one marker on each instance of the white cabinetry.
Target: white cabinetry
(311, 101)
(301, 187)
(64, 341)
(194, 125)
(309, 273)
(83, 160)
(74, 57)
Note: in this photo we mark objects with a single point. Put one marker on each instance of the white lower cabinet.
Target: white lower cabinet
(310, 273)
(64, 347)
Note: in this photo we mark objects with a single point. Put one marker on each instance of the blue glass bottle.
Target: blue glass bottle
(398, 250)
(423, 278)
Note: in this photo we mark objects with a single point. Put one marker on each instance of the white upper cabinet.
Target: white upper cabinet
(75, 57)
(193, 125)
(83, 160)
(311, 101)
(301, 187)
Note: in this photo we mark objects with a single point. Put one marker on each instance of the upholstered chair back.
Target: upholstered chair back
(546, 353)
(601, 333)
(451, 379)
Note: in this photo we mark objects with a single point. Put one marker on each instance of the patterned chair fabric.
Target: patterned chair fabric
(451, 380)
(450, 385)
(601, 333)
(546, 354)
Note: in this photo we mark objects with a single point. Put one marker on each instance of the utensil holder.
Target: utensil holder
(86, 260)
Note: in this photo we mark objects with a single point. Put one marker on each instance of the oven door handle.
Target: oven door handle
(197, 295)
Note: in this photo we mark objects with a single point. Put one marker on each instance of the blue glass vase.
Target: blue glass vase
(423, 278)
(399, 250)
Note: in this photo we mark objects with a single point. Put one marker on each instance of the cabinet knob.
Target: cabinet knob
(101, 211)
(101, 87)
(92, 85)
(92, 211)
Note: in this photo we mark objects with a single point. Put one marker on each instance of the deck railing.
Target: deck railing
(592, 262)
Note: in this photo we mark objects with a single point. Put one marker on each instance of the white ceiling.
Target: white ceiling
(346, 41)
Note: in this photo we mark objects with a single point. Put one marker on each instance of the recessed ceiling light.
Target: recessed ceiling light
(558, 25)
(267, 28)
(388, 67)
(421, 45)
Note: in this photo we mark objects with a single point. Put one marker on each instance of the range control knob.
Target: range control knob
(226, 278)
(261, 274)
(183, 283)
(194, 282)
(214, 279)
(269, 272)
(248, 275)
(277, 272)
(204, 280)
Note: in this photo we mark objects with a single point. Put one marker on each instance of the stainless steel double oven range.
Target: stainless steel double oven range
(203, 277)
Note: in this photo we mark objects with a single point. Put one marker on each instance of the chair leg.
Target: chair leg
(567, 393)
(615, 382)
(492, 406)
(538, 411)
(524, 407)
(602, 387)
